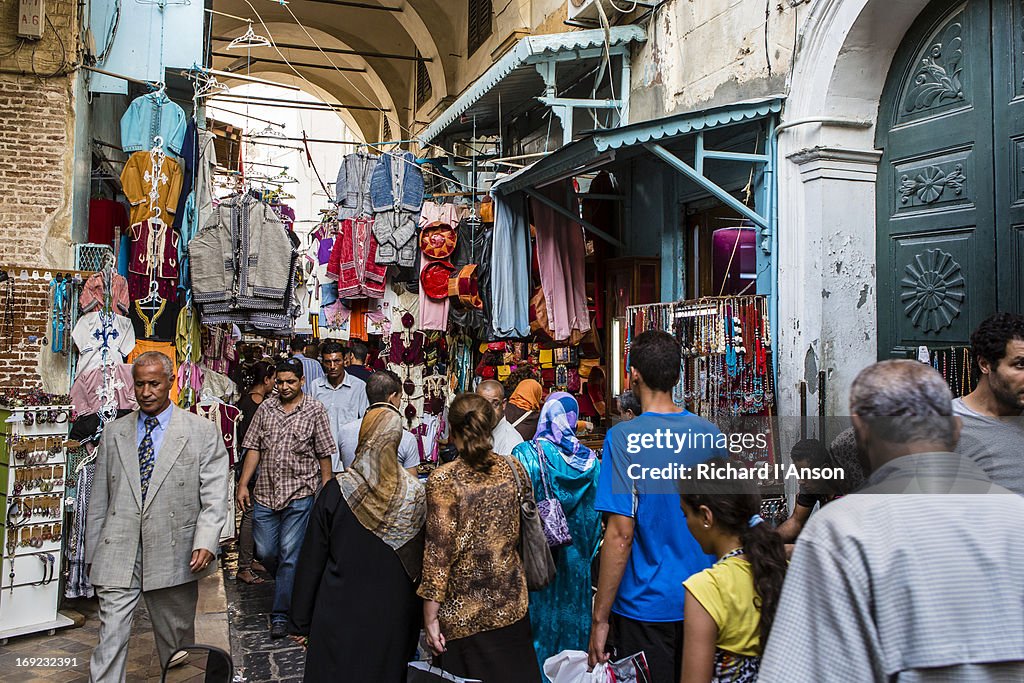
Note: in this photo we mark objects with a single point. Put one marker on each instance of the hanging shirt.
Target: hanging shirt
(87, 391)
(93, 293)
(510, 268)
(93, 332)
(152, 184)
(150, 116)
(353, 261)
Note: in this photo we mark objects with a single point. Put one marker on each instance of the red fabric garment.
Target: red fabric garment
(106, 216)
(150, 239)
(353, 261)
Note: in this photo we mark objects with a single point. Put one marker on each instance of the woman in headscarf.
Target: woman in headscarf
(523, 408)
(355, 594)
(561, 467)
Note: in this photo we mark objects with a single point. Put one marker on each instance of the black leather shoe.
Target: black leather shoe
(278, 630)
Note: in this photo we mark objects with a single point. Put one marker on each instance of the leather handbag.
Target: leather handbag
(534, 550)
(549, 509)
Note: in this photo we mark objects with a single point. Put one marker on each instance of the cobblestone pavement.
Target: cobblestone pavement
(76, 644)
(259, 659)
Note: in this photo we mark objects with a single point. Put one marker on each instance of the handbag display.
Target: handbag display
(534, 550)
(549, 509)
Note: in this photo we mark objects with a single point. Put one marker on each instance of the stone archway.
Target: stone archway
(826, 183)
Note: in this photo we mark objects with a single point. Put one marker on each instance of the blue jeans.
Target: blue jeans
(278, 535)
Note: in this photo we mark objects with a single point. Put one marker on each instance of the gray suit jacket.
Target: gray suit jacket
(186, 505)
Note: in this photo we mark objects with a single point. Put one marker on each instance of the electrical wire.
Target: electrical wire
(345, 76)
(115, 20)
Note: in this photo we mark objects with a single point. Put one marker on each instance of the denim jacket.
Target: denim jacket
(352, 189)
(149, 116)
(399, 171)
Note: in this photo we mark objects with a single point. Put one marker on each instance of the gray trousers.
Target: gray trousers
(172, 611)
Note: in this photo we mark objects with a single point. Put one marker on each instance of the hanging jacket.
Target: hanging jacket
(352, 189)
(243, 255)
(396, 174)
(150, 116)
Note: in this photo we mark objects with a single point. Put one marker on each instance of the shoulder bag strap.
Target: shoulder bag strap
(522, 417)
(515, 475)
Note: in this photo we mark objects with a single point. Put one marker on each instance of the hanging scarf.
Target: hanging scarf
(557, 424)
(386, 499)
(527, 395)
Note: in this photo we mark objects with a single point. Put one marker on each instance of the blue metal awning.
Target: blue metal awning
(526, 73)
(599, 147)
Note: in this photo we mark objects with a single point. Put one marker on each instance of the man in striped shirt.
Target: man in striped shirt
(311, 369)
(919, 576)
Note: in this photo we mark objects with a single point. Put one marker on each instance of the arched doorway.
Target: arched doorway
(950, 188)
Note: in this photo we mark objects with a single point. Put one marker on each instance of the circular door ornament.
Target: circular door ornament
(932, 290)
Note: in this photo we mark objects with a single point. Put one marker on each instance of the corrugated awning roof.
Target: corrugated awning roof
(513, 82)
(599, 147)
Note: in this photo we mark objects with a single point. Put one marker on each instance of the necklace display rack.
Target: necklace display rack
(726, 374)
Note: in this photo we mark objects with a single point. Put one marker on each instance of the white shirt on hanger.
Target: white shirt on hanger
(91, 335)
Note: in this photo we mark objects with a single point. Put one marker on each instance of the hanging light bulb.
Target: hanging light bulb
(248, 40)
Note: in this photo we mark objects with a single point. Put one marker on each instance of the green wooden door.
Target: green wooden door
(950, 193)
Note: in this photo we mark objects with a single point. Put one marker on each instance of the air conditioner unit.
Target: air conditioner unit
(589, 12)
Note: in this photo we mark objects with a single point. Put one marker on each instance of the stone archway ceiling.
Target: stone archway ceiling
(382, 76)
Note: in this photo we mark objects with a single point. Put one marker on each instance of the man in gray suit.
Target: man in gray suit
(158, 504)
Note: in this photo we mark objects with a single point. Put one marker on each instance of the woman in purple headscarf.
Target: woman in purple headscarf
(561, 467)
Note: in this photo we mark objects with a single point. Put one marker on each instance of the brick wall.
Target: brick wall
(36, 170)
(18, 354)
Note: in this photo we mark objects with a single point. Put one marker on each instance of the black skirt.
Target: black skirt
(353, 599)
(504, 655)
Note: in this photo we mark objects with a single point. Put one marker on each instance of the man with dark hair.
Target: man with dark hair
(806, 453)
(290, 439)
(311, 369)
(629, 406)
(648, 549)
(993, 433)
(383, 388)
(355, 360)
(922, 584)
(342, 393)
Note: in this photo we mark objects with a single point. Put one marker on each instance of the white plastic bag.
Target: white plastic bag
(570, 666)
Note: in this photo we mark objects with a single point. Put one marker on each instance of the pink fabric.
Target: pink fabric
(92, 293)
(561, 252)
(433, 312)
(443, 213)
(84, 393)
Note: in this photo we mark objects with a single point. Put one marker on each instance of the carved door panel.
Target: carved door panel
(1008, 99)
(935, 200)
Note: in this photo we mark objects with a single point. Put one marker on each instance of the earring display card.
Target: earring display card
(33, 471)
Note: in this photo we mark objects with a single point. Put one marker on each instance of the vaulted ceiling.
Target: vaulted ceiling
(359, 53)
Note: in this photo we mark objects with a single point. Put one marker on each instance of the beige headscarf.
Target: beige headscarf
(383, 496)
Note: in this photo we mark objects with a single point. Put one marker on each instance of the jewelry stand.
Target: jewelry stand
(32, 538)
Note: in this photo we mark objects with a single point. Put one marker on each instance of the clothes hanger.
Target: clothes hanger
(248, 40)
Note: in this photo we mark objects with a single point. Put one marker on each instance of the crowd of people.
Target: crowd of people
(918, 575)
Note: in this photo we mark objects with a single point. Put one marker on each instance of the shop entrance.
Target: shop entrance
(950, 193)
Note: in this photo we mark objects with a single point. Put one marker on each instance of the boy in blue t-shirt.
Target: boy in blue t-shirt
(648, 551)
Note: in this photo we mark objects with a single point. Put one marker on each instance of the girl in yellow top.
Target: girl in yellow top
(729, 607)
